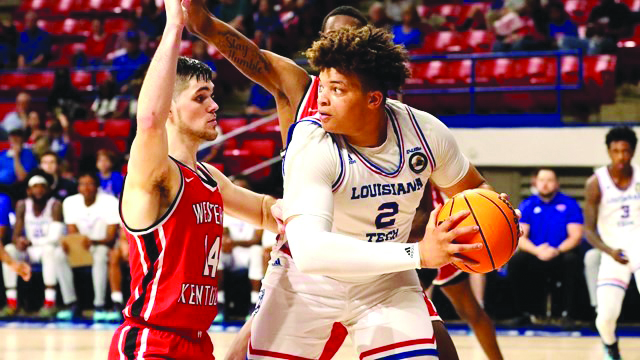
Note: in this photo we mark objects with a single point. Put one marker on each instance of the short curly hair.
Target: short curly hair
(367, 52)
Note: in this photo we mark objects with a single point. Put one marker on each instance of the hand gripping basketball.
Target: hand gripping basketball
(436, 247)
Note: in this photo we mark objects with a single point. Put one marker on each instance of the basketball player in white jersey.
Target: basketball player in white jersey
(35, 237)
(612, 224)
(353, 178)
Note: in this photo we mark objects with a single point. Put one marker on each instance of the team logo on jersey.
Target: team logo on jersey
(418, 162)
(561, 207)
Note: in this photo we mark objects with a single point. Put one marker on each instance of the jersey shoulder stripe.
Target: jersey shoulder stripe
(423, 139)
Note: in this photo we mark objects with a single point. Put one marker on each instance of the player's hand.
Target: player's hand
(173, 9)
(619, 256)
(276, 211)
(505, 197)
(197, 16)
(23, 269)
(437, 247)
(22, 243)
(65, 247)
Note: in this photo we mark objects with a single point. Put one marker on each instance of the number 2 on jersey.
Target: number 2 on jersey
(387, 212)
(213, 258)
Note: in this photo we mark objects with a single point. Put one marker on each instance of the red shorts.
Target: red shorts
(133, 341)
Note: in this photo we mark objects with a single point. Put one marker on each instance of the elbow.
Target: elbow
(146, 120)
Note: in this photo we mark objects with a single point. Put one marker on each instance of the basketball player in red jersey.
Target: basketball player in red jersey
(172, 210)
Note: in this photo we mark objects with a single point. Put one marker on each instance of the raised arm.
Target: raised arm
(150, 168)
(285, 80)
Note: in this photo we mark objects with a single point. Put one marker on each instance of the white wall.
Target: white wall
(569, 146)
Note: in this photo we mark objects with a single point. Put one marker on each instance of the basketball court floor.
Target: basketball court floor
(54, 343)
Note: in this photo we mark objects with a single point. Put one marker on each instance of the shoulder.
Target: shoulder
(106, 198)
(309, 131)
(592, 181)
(72, 200)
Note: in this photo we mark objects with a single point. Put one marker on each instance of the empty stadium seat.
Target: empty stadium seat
(231, 123)
(126, 5)
(117, 127)
(186, 47)
(40, 81)
(478, 41)
(4, 145)
(86, 127)
(262, 148)
(82, 80)
(442, 42)
(102, 76)
(451, 12)
(121, 145)
(76, 27)
(494, 72)
(115, 25)
(9, 81)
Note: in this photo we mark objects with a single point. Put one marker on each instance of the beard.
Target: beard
(202, 134)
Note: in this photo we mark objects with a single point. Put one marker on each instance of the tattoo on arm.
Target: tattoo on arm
(244, 55)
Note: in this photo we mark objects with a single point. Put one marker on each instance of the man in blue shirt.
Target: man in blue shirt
(127, 64)
(17, 161)
(34, 44)
(552, 225)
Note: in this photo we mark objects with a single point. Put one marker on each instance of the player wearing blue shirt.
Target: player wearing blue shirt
(552, 228)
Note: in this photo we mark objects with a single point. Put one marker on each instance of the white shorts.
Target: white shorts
(33, 254)
(612, 273)
(296, 312)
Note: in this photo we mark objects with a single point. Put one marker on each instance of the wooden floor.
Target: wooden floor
(73, 344)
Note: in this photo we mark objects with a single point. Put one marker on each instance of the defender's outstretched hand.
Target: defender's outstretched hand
(23, 269)
(436, 247)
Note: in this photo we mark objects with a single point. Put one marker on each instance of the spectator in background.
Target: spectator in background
(396, 8)
(99, 43)
(199, 52)
(105, 106)
(561, 28)
(261, 102)
(18, 119)
(378, 16)
(121, 39)
(234, 13)
(58, 137)
(17, 161)
(39, 218)
(5, 221)
(8, 43)
(34, 44)
(408, 33)
(552, 226)
(65, 99)
(526, 29)
(61, 187)
(94, 215)
(269, 31)
(476, 20)
(150, 19)
(127, 64)
(111, 181)
(608, 22)
(35, 128)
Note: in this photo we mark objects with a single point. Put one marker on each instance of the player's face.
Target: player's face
(546, 183)
(621, 154)
(38, 191)
(87, 187)
(49, 164)
(194, 110)
(341, 102)
(339, 21)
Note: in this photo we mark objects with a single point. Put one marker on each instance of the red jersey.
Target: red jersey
(173, 262)
(309, 103)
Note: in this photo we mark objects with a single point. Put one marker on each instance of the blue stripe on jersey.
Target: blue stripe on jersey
(415, 121)
(610, 284)
(395, 125)
(411, 354)
(315, 122)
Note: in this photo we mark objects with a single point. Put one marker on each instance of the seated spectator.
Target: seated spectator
(99, 43)
(94, 215)
(269, 31)
(58, 138)
(560, 24)
(105, 106)
(150, 19)
(608, 22)
(524, 30)
(118, 258)
(35, 128)
(6, 210)
(551, 230)
(18, 119)
(39, 218)
(476, 20)
(8, 43)
(17, 161)
(34, 44)
(127, 64)
(234, 13)
(408, 33)
(261, 102)
(121, 38)
(64, 98)
(199, 52)
(378, 16)
(61, 187)
(241, 249)
(396, 8)
(111, 182)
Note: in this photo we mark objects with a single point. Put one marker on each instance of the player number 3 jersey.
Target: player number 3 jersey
(619, 210)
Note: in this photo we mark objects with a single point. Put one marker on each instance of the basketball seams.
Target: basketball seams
(513, 240)
(486, 245)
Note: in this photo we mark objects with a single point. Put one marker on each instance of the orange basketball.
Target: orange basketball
(498, 225)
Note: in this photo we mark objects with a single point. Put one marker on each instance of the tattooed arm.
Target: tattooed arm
(285, 80)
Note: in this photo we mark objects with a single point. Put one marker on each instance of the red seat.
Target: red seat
(479, 40)
(82, 80)
(43, 80)
(232, 123)
(263, 148)
(76, 27)
(116, 25)
(64, 6)
(77, 148)
(38, 5)
(6, 108)
(121, 145)
(494, 71)
(570, 69)
(238, 160)
(186, 47)
(102, 76)
(52, 27)
(451, 12)
(99, 5)
(126, 5)
(13, 81)
(218, 166)
(4, 145)
(442, 42)
(86, 127)
(117, 127)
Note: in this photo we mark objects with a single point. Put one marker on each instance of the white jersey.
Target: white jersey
(375, 190)
(239, 230)
(619, 210)
(36, 227)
